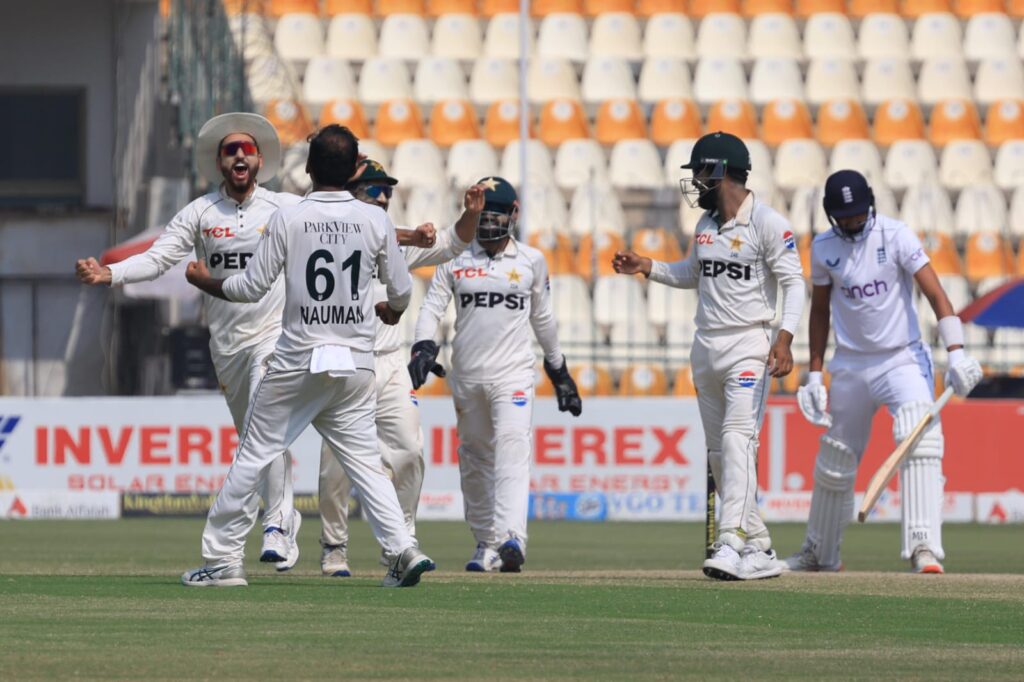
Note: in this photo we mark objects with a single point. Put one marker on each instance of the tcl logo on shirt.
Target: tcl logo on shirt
(492, 299)
(714, 268)
(469, 273)
(705, 238)
(218, 232)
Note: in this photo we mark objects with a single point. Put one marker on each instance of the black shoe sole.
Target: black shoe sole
(717, 574)
(412, 575)
(512, 559)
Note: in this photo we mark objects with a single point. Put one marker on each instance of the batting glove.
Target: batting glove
(812, 398)
(964, 372)
(565, 388)
(424, 354)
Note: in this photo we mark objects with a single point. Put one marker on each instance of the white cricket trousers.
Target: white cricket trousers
(239, 374)
(861, 383)
(342, 410)
(401, 449)
(729, 372)
(496, 447)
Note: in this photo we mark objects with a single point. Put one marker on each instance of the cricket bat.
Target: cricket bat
(892, 463)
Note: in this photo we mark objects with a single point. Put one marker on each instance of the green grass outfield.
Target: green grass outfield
(597, 601)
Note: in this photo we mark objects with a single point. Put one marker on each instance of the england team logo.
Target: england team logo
(747, 379)
(787, 239)
(519, 398)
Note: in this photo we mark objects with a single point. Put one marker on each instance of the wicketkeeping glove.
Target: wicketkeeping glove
(424, 354)
(565, 388)
(813, 401)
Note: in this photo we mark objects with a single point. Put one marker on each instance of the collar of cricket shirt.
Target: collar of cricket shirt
(256, 189)
(341, 195)
(511, 249)
(743, 215)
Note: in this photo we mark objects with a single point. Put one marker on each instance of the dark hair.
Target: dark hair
(333, 152)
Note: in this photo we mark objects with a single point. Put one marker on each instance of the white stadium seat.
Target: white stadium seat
(502, 37)
(418, 163)
(775, 78)
(606, 78)
(578, 162)
(352, 37)
(469, 161)
(859, 155)
(1009, 170)
(669, 35)
(989, 35)
(829, 35)
(298, 38)
(563, 36)
(998, 79)
(664, 78)
(926, 208)
(404, 36)
(910, 162)
(439, 79)
(799, 162)
(883, 36)
(596, 208)
(1016, 222)
(722, 35)
(886, 79)
(936, 35)
(774, 35)
(270, 78)
(616, 34)
(429, 204)
(943, 78)
(545, 209)
(633, 341)
(964, 163)
(457, 36)
(806, 212)
(539, 167)
(980, 208)
(294, 177)
(327, 78)
(635, 164)
(382, 79)
(760, 157)
(667, 304)
(549, 79)
(493, 80)
(570, 297)
(618, 299)
(376, 151)
(719, 78)
(677, 155)
(831, 78)
(252, 36)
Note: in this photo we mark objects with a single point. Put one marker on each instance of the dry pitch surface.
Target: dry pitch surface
(612, 601)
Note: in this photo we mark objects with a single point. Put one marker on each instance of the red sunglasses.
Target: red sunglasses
(231, 148)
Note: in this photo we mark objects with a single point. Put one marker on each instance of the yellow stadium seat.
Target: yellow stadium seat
(643, 380)
(426, 273)
(912, 9)
(607, 244)
(236, 7)
(1020, 263)
(701, 8)
(619, 119)
(453, 121)
(789, 384)
(388, 7)
(1015, 8)
(942, 252)
(491, 8)
(592, 380)
(861, 8)
(805, 8)
(501, 125)
(594, 7)
(397, 121)
(434, 386)
(336, 7)
(348, 113)
(291, 120)
(557, 250)
(965, 9)
(648, 8)
(840, 120)
(785, 119)
(682, 384)
(657, 243)
(675, 119)
(436, 8)
(542, 8)
(751, 8)
(281, 7)
(543, 387)
(987, 255)
(733, 116)
(898, 119)
(1004, 121)
(954, 119)
(561, 120)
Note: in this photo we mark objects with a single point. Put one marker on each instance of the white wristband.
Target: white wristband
(955, 356)
(951, 331)
(814, 379)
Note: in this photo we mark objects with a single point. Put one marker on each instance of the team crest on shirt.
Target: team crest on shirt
(519, 398)
(735, 244)
(413, 398)
(514, 278)
(746, 379)
(788, 240)
(881, 255)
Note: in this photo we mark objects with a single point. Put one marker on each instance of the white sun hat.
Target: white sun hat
(219, 127)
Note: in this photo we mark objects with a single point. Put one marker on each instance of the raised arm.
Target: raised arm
(684, 274)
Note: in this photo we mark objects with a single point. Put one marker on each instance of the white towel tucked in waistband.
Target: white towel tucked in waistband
(335, 360)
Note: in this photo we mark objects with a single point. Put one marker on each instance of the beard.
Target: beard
(708, 200)
(239, 181)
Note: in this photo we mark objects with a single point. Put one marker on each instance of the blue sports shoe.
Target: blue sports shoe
(512, 555)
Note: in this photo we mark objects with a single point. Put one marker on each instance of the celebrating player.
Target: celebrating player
(224, 227)
(322, 369)
(864, 271)
(742, 249)
(499, 284)
(398, 420)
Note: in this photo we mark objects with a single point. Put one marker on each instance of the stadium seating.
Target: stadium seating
(954, 119)
(595, 254)
(419, 164)
(829, 35)
(453, 121)
(927, 208)
(592, 380)
(352, 36)
(936, 34)
(718, 78)
(663, 78)
(987, 257)
(643, 380)
(733, 116)
(999, 78)
(438, 79)
(840, 120)
(456, 36)
(883, 36)
(606, 78)
(349, 113)
(775, 78)
(722, 34)
(502, 40)
(635, 164)
(579, 161)
(673, 120)
(595, 208)
(469, 161)
(619, 119)
(896, 120)
(502, 124)
(669, 35)
(291, 120)
(909, 163)
(383, 79)
(398, 120)
(1009, 166)
(656, 243)
(563, 36)
(616, 34)
(539, 166)
(549, 79)
(979, 208)
(785, 119)
(1004, 121)
(493, 80)
(774, 35)
(965, 163)
(831, 78)
(798, 163)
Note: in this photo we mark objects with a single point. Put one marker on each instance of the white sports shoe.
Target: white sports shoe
(724, 564)
(485, 560)
(334, 561)
(230, 575)
(293, 544)
(406, 569)
(757, 564)
(275, 545)
(805, 561)
(924, 561)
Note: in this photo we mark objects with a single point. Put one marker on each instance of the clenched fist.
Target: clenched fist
(474, 199)
(629, 263)
(89, 271)
(196, 272)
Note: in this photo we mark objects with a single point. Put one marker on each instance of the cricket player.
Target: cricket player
(742, 252)
(223, 228)
(499, 285)
(322, 369)
(863, 272)
(398, 419)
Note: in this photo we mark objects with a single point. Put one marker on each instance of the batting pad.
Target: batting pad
(832, 503)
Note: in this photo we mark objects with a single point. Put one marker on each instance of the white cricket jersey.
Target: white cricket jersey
(872, 285)
(737, 268)
(327, 245)
(225, 233)
(495, 298)
(446, 247)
